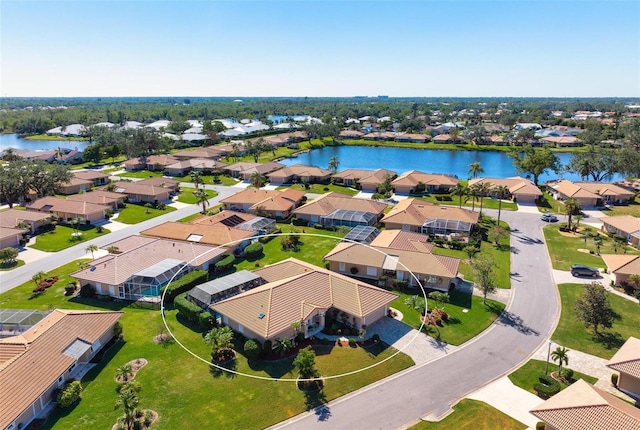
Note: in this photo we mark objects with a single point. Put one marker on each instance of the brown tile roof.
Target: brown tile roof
(407, 240)
(37, 358)
(581, 406)
(114, 269)
(12, 217)
(416, 212)
(6, 232)
(221, 216)
(269, 199)
(627, 359)
(77, 181)
(365, 176)
(300, 170)
(588, 189)
(160, 159)
(516, 185)
(55, 204)
(215, 234)
(161, 182)
(89, 175)
(248, 168)
(138, 188)
(412, 178)
(626, 223)
(208, 152)
(294, 287)
(329, 202)
(622, 263)
(99, 197)
(197, 163)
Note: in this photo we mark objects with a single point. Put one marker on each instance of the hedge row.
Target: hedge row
(189, 310)
(225, 264)
(185, 283)
(253, 250)
(547, 387)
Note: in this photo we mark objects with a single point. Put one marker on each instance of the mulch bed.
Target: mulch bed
(136, 365)
(154, 418)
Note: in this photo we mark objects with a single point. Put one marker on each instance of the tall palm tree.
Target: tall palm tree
(196, 178)
(571, 206)
(460, 191)
(475, 169)
(333, 164)
(91, 249)
(482, 189)
(283, 346)
(220, 339)
(123, 372)
(128, 401)
(203, 199)
(257, 179)
(561, 356)
(501, 192)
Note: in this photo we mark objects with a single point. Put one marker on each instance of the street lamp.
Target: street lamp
(546, 369)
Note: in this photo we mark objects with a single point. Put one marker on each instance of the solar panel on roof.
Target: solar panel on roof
(232, 221)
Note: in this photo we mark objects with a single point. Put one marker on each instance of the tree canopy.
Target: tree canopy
(535, 161)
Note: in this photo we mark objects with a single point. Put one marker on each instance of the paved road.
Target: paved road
(24, 273)
(431, 389)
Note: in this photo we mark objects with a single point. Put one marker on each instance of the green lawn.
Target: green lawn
(209, 179)
(135, 213)
(563, 248)
(571, 333)
(488, 202)
(549, 204)
(527, 375)
(54, 137)
(321, 189)
(141, 174)
(473, 414)
(11, 266)
(187, 195)
(61, 237)
(632, 208)
(462, 326)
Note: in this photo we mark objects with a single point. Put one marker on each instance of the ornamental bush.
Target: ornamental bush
(253, 250)
(226, 264)
(205, 320)
(189, 310)
(185, 283)
(69, 394)
(547, 387)
(252, 349)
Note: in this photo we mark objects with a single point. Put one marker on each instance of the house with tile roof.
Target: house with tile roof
(521, 190)
(583, 406)
(621, 267)
(277, 204)
(98, 178)
(350, 134)
(299, 173)
(627, 363)
(203, 165)
(74, 186)
(244, 170)
(435, 220)
(398, 255)
(66, 210)
(153, 163)
(139, 192)
(210, 152)
(336, 209)
(100, 197)
(589, 194)
(10, 236)
(34, 364)
(144, 265)
(369, 180)
(301, 292)
(411, 182)
(12, 217)
(626, 226)
(172, 185)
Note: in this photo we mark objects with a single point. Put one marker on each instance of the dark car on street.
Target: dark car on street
(580, 270)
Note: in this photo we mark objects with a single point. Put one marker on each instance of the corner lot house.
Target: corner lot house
(521, 190)
(66, 209)
(396, 254)
(621, 267)
(626, 226)
(12, 217)
(589, 194)
(336, 209)
(223, 288)
(369, 180)
(42, 359)
(627, 362)
(427, 218)
(100, 197)
(138, 192)
(10, 236)
(299, 291)
(299, 173)
(145, 265)
(414, 181)
(278, 204)
(583, 406)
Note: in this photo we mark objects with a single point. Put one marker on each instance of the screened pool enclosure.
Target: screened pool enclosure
(149, 282)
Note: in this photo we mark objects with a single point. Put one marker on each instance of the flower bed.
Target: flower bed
(45, 283)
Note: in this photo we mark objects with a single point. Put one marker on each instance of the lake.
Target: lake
(14, 141)
(495, 163)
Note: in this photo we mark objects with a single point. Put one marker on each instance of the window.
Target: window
(406, 227)
(342, 267)
(372, 271)
(400, 276)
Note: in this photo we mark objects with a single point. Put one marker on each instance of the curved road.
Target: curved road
(431, 389)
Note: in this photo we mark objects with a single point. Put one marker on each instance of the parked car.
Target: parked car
(549, 218)
(580, 270)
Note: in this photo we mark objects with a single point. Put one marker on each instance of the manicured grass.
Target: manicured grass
(633, 208)
(11, 266)
(61, 237)
(322, 189)
(311, 250)
(141, 174)
(549, 204)
(209, 179)
(563, 248)
(53, 137)
(487, 202)
(527, 375)
(187, 195)
(462, 326)
(571, 332)
(135, 213)
(473, 414)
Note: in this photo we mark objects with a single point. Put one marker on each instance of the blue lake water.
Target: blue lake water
(14, 141)
(494, 163)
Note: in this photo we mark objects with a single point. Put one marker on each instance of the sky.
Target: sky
(322, 48)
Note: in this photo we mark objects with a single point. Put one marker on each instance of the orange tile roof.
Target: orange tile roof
(329, 202)
(37, 358)
(214, 234)
(625, 223)
(269, 199)
(627, 359)
(365, 176)
(415, 212)
(407, 240)
(300, 170)
(413, 177)
(221, 216)
(582, 406)
(90, 175)
(55, 204)
(622, 264)
(12, 217)
(516, 185)
(99, 197)
(140, 188)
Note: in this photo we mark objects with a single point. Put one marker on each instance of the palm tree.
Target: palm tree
(123, 372)
(333, 164)
(416, 302)
(283, 346)
(475, 169)
(203, 199)
(597, 241)
(501, 192)
(196, 178)
(220, 339)
(571, 206)
(257, 179)
(561, 356)
(113, 249)
(91, 249)
(296, 326)
(460, 191)
(37, 277)
(128, 401)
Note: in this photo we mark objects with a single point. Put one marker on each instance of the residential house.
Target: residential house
(336, 209)
(203, 165)
(145, 265)
(36, 363)
(415, 181)
(10, 236)
(76, 130)
(299, 173)
(626, 226)
(244, 221)
(589, 194)
(627, 362)
(350, 134)
(244, 170)
(427, 218)
(621, 267)
(369, 180)
(277, 204)
(520, 189)
(32, 220)
(561, 141)
(100, 197)
(47, 155)
(75, 185)
(583, 406)
(380, 136)
(68, 156)
(66, 210)
(138, 192)
(98, 178)
(224, 287)
(153, 163)
(412, 137)
(397, 254)
(171, 184)
(446, 138)
(266, 312)
(210, 152)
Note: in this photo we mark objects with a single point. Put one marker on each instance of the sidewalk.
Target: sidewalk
(565, 277)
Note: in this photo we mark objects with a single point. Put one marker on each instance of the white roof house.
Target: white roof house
(159, 124)
(104, 124)
(132, 124)
(194, 123)
(195, 129)
(69, 130)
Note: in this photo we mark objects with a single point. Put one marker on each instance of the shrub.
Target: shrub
(147, 418)
(185, 283)
(225, 264)
(375, 337)
(268, 346)
(117, 329)
(567, 374)
(87, 291)
(438, 321)
(540, 425)
(252, 349)
(137, 425)
(614, 379)
(547, 386)
(318, 226)
(205, 320)
(69, 394)
(354, 270)
(69, 288)
(444, 316)
(189, 310)
(253, 250)
(352, 342)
